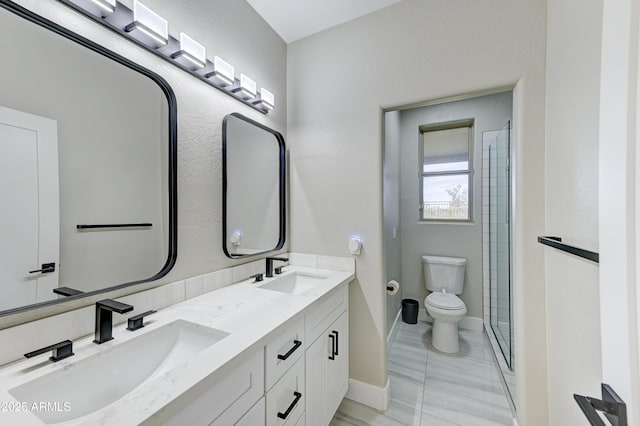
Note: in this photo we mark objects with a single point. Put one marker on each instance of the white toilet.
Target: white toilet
(444, 276)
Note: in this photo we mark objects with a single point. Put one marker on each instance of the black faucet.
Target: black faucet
(104, 318)
(269, 272)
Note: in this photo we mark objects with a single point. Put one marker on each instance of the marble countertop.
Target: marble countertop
(249, 314)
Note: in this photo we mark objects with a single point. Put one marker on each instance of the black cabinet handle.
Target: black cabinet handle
(332, 357)
(337, 341)
(296, 345)
(46, 268)
(284, 415)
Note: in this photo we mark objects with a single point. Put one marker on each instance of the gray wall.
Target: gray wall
(340, 81)
(230, 29)
(445, 239)
(391, 190)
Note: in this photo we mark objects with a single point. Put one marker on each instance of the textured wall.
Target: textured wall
(339, 81)
(230, 29)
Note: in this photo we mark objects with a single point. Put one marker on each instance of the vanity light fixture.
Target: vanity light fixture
(247, 89)
(191, 54)
(223, 72)
(103, 8)
(148, 26)
(267, 99)
(136, 22)
(108, 6)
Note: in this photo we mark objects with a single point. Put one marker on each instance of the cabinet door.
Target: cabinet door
(317, 357)
(338, 363)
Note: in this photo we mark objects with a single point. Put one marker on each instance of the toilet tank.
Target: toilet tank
(444, 272)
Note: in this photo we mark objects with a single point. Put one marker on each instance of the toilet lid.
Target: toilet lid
(445, 301)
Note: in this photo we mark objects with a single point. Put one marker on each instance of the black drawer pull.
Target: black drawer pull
(332, 357)
(296, 345)
(284, 415)
(337, 341)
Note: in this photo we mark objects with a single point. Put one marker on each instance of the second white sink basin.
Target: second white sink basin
(295, 283)
(95, 382)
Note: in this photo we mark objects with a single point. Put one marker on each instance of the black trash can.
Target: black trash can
(410, 311)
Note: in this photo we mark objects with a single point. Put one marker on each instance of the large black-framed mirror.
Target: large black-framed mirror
(253, 187)
(89, 141)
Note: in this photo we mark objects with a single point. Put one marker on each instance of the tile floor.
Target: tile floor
(431, 388)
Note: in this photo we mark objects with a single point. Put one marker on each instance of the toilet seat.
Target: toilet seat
(449, 302)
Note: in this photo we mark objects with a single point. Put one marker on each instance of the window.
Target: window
(445, 171)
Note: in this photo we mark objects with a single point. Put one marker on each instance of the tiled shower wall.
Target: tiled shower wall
(490, 301)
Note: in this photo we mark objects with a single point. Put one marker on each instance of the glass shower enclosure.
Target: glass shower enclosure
(500, 289)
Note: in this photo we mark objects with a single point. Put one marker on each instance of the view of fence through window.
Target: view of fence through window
(446, 172)
(456, 208)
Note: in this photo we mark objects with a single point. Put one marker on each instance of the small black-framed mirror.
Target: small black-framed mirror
(253, 187)
(109, 126)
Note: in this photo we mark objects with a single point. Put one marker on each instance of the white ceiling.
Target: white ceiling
(296, 19)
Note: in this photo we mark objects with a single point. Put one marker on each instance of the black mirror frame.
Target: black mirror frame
(172, 151)
(282, 185)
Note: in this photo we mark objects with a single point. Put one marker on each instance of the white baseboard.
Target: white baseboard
(394, 329)
(369, 395)
(467, 323)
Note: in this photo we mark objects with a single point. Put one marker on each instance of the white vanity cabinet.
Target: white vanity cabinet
(297, 378)
(327, 361)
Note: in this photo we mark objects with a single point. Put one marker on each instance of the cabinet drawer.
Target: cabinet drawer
(254, 417)
(326, 312)
(233, 395)
(283, 351)
(286, 398)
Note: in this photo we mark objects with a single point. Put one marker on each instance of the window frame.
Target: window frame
(448, 125)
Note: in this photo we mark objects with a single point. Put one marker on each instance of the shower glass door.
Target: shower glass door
(500, 243)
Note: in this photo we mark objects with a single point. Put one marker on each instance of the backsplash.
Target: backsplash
(80, 322)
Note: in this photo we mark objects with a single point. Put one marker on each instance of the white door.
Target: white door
(29, 218)
(619, 202)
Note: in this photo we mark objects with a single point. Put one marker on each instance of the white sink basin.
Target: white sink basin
(95, 382)
(295, 283)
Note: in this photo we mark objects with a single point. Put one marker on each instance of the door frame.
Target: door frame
(619, 201)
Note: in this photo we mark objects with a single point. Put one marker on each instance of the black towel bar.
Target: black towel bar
(116, 225)
(556, 242)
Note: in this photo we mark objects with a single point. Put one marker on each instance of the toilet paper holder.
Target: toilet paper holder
(393, 287)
